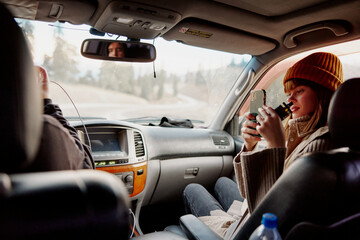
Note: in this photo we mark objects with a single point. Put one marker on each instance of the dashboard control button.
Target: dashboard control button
(128, 179)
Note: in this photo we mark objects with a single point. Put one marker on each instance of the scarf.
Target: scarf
(297, 133)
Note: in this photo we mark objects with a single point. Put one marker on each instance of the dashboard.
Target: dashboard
(157, 163)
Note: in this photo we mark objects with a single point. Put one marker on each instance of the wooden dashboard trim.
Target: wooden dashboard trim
(139, 180)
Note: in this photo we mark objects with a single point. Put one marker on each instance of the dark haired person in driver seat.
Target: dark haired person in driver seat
(116, 49)
(60, 143)
(309, 84)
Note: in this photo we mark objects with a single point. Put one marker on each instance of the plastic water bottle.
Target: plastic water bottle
(267, 230)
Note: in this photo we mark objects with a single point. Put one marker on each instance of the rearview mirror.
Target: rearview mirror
(127, 51)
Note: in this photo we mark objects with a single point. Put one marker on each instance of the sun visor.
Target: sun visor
(67, 11)
(136, 20)
(213, 36)
(22, 9)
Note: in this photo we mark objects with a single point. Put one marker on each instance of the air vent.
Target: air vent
(220, 140)
(139, 145)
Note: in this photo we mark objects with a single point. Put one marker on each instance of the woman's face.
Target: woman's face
(304, 101)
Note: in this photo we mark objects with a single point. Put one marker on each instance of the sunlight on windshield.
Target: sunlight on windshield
(190, 83)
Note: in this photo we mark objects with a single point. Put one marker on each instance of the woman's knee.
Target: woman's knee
(193, 189)
(226, 188)
(199, 201)
(224, 182)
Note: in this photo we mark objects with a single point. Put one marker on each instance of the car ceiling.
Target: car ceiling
(268, 29)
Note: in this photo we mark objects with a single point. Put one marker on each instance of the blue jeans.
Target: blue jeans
(199, 202)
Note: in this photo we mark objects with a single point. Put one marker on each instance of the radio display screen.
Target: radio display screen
(105, 143)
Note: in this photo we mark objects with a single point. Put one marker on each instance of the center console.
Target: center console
(121, 151)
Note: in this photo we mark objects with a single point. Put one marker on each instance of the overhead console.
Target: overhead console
(136, 20)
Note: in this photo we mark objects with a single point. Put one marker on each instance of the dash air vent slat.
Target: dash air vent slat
(139, 145)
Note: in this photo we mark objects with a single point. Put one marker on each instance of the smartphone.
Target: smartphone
(257, 100)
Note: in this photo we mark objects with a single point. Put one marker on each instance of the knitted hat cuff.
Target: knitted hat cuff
(314, 74)
(322, 68)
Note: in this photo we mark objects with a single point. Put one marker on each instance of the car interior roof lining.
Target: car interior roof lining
(260, 33)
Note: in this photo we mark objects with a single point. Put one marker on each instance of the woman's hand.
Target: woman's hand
(248, 128)
(270, 127)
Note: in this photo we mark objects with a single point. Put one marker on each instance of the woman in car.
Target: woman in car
(309, 84)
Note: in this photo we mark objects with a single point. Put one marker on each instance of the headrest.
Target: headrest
(84, 204)
(20, 100)
(344, 115)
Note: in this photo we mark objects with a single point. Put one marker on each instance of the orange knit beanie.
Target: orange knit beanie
(321, 68)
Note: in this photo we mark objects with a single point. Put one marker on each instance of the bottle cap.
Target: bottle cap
(269, 220)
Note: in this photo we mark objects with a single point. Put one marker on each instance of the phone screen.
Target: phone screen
(257, 100)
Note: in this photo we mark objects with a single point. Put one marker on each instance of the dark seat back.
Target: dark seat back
(322, 188)
(32, 141)
(20, 118)
(347, 228)
(84, 204)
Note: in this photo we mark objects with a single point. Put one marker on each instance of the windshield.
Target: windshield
(184, 82)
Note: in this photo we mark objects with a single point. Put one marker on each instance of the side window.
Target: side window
(275, 93)
(351, 63)
(272, 80)
(272, 83)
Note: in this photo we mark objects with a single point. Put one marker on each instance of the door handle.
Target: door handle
(191, 172)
